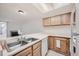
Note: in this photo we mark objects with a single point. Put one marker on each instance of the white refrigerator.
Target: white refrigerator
(44, 46)
(75, 33)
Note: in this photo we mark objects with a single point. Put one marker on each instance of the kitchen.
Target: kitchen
(39, 29)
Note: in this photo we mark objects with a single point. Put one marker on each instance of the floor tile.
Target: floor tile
(53, 53)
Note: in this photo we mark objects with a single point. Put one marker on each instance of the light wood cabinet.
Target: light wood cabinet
(62, 46)
(57, 48)
(37, 49)
(51, 42)
(56, 20)
(34, 50)
(37, 52)
(37, 45)
(26, 52)
(65, 19)
(46, 21)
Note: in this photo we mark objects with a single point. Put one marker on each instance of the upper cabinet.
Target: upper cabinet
(66, 19)
(55, 20)
(63, 19)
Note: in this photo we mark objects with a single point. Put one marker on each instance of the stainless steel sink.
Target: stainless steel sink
(16, 43)
(30, 40)
(12, 46)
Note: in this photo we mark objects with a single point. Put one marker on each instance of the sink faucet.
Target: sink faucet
(20, 39)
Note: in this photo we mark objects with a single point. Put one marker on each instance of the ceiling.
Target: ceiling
(9, 11)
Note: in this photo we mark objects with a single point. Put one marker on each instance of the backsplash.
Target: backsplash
(58, 30)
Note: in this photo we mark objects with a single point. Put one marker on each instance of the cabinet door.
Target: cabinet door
(66, 18)
(46, 21)
(37, 49)
(51, 42)
(56, 20)
(25, 52)
(37, 52)
(37, 45)
(63, 46)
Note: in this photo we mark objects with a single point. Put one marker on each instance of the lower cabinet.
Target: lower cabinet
(51, 42)
(37, 49)
(65, 47)
(25, 52)
(59, 44)
(34, 50)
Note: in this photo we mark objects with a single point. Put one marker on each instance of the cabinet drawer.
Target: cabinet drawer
(36, 45)
(25, 52)
(37, 52)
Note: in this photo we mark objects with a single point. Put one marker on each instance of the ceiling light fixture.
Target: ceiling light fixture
(20, 11)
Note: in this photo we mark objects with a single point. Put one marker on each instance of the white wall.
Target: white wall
(59, 30)
(33, 26)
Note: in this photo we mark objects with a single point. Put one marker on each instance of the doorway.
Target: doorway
(3, 29)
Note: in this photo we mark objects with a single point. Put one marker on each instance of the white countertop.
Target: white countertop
(39, 36)
(60, 35)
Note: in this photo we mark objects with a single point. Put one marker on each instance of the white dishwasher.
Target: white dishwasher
(44, 46)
